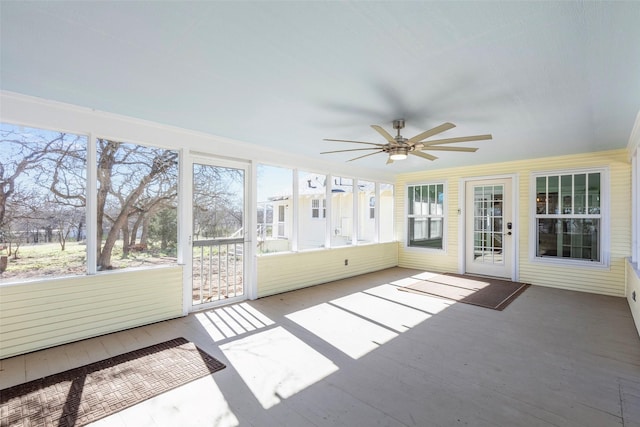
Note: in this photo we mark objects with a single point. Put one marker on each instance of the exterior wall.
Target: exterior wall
(286, 272)
(43, 314)
(608, 281)
(633, 285)
(314, 228)
(366, 224)
(341, 219)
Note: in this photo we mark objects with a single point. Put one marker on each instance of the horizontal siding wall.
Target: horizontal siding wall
(609, 281)
(633, 285)
(289, 271)
(48, 313)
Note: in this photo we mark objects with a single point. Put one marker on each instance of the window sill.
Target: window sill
(571, 263)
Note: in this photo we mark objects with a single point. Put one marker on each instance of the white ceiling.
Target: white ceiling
(545, 78)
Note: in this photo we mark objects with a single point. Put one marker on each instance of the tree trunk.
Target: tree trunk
(136, 227)
(145, 230)
(125, 240)
(79, 235)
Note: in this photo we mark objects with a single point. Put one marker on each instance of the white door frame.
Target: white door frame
(186, 226)
(462, 235)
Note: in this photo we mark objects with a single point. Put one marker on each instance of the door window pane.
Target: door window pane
(218, 233)
(488, 224)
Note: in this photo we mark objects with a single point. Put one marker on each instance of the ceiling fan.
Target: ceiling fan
(399, 147)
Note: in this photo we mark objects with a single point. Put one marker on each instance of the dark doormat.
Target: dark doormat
(83, 395)
(482, 291)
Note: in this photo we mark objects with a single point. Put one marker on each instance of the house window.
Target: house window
(315, 208)
(569, 216)
(372, 207)
(425, 216)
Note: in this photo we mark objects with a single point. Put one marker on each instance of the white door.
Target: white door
(489, 228)
(219, 233)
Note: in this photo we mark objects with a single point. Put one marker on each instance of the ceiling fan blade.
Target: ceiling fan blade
(366, 155)
(352, 149)
(423, 155)
(458, 139)
(355, 142)
(463, 149)
(436, 130)
(386, 135)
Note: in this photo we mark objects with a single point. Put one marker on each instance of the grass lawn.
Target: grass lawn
(47, 260)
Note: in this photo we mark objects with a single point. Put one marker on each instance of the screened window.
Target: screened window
(366, 211)
(341, 211)
(386, 213)
(569, 216)
(137, 205)
(312, 210)
(42, 203)
(275, 209)
(425, 216)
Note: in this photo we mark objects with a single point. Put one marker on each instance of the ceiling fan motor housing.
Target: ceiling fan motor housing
(398, 124)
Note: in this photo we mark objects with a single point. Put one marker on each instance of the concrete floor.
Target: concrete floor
(358, 352)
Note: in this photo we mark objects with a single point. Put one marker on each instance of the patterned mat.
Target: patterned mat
(485, 292)
(85, 394)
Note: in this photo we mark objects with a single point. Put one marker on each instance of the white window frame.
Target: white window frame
(372, 209)
(319, 209)
(604, 216)
(407, 216)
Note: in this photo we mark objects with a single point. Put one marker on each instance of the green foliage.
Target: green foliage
(163, 228)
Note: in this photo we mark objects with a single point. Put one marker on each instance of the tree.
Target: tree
(21, 156)
(164, 227)
(217, 201)
(126, 173)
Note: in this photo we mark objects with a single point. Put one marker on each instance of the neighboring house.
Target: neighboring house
(275, 217)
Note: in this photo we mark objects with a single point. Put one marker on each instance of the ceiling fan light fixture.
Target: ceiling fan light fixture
(398, 153)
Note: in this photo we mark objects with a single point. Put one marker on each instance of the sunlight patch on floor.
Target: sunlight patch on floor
(189, 405)
(231, 321)
(347, 332)
(395, 316)
(426, 303)
(275, 364)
